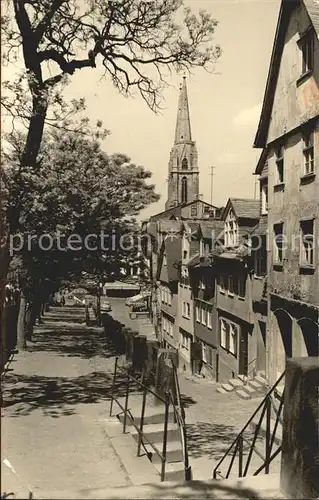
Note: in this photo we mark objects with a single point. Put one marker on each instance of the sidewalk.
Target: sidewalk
(55, 399)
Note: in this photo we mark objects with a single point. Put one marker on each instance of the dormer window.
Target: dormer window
(231, 230)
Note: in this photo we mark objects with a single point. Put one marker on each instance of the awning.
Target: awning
(118, 285)
(140, 296)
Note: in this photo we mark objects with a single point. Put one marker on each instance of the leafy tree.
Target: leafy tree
(81, 192)
(135, 44)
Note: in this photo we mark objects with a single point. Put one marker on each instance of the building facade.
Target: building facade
(288, 131)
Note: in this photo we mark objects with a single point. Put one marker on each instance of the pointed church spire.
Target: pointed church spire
(183, 125)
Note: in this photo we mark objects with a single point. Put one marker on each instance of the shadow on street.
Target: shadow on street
(58, 396)
(65, 334)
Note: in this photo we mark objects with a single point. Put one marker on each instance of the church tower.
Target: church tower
(183, 174)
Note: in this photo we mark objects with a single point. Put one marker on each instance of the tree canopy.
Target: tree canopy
(79, 191)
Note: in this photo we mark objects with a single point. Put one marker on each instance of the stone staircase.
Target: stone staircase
(153, 428)
(245, 389)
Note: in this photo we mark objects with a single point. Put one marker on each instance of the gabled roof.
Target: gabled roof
(207, 227)
(166, 214)
(261, 162)
(261, 228)
(286, 7)
(244, 208)
(312, 7)
(199, 261)
(169, 226)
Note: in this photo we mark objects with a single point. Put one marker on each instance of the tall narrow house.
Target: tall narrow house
(183, 173)
(289, 131)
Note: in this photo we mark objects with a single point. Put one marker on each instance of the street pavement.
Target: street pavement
(56, 400)
(56, 396)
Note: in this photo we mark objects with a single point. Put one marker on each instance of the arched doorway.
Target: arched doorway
(309, 337)
(283, 344)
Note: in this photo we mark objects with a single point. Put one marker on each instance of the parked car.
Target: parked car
(139, 307)
(105, 306)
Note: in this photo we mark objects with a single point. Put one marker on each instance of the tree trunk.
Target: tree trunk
(4, 267)
(21, 333)
(28, 324)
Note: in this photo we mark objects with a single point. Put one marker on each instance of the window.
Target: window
(229, 336)
(170, 329)
(241, 286)
(162, 295)
(278, 243)
(185, 254)
(185, 342)
(184, 190)
(260, 258)
(209, 319)
(280, 164)
(194, 210)
(222, 282)
(307, 52)
(231, 230)
(201, 248)
(264, 197)
(224, 332)
(204, 352)
(231, 288)
(184, 164)
(307, 243)
(198, 314)
(169, 298)
(233, 339)
(204, 312)
(308, 153)
(186, 310)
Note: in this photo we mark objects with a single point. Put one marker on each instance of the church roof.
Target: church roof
(183, 124)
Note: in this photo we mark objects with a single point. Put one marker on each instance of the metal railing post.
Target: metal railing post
(165, 437)
(113, 385)
(240, 455)
(267, 442)
(141, 423)
(126, 402)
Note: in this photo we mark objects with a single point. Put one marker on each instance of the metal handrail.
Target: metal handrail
(127, 412)
(265, 406)
(180, 420)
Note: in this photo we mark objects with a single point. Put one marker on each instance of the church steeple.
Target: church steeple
(183, 174)
(183, 125)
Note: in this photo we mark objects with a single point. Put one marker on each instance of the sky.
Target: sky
(224, 107)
